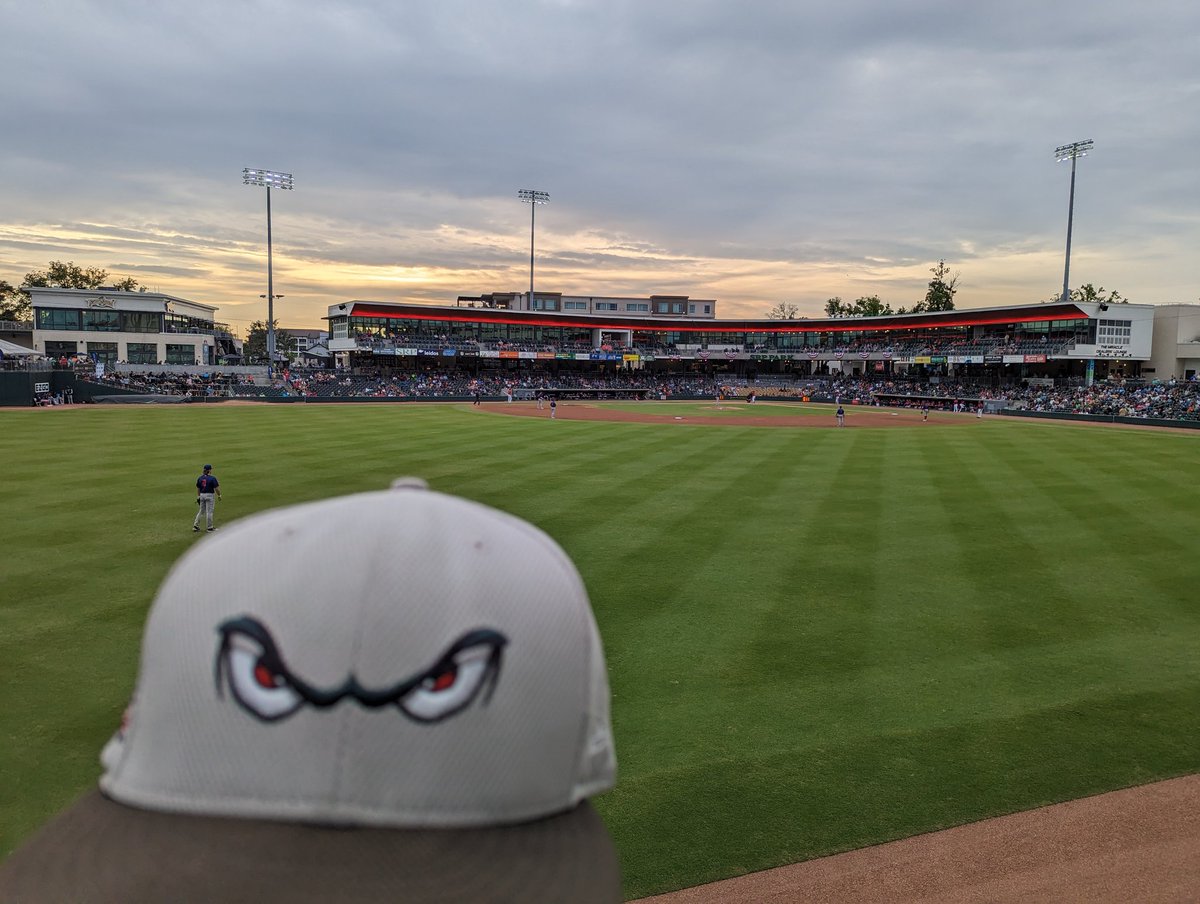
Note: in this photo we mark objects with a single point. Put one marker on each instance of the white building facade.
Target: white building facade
(1176, 349)
(113, 325)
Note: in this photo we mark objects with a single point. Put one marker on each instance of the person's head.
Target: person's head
(396, 695)
(207, 468)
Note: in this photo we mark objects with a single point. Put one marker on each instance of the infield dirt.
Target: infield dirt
(1140, 844)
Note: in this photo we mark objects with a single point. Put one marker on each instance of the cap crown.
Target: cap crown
(400, 658)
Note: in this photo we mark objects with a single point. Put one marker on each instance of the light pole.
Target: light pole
(1072, 152)
(270, 331)
(533, 198)
(270, 180)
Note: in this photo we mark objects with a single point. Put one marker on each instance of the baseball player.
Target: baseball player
(208, 491)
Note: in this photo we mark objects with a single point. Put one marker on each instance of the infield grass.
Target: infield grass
(817, 639)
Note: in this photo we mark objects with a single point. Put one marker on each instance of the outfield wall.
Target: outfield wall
(1101, 418)
(19, 388)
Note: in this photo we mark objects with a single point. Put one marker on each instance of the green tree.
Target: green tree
(835, 308)
(870, 306)
(867, 306)
(940, 294)
(1090, 294)
(67, 275)
(128, 284)
(783, 311)
(255, 347)
(14, 304)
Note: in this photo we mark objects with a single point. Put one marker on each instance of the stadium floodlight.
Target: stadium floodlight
(1063, 153)
(533, 198)
(269, 179)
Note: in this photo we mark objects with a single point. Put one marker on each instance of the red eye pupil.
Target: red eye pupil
(444, 680)
(264, 676)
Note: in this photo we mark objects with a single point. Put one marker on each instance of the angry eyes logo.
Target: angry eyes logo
(249, 662)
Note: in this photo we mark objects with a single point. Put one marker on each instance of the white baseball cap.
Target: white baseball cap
(397, 695)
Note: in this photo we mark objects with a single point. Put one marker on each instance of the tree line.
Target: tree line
(16, 305)
(15, 301)
(939, 296)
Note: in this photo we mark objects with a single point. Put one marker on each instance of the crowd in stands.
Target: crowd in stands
(1172, 400)
(764, 344)
(172, 383)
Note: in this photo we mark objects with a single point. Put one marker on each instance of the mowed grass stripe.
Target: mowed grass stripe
(775, 807)
(807, 647)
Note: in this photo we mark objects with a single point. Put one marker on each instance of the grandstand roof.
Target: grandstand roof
(968, 317)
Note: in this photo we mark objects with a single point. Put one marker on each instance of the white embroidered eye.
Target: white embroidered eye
(258, 685)
(452, 684)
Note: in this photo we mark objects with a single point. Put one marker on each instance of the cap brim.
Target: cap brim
(101, 850)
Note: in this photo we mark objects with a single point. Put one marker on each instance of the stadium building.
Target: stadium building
(110, 325)
(676, 334)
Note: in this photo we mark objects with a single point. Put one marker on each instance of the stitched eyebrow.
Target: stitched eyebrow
(271, 657)
(475, 638)
(252, 628)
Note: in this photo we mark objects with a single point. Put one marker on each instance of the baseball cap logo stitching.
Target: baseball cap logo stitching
(249, 662)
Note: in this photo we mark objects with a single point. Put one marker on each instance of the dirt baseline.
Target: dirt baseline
(1140, 844)
(856, 415)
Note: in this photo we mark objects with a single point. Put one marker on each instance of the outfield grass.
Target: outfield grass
(818, 639)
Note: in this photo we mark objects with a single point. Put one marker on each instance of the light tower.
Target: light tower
(533, 198)
(270, 180)
(1072, 152)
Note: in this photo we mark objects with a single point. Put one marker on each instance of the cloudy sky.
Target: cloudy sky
(753, 152)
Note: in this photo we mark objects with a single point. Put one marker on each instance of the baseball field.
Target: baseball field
(818, 638)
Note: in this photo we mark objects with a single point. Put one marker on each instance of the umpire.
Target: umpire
(208, 490)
